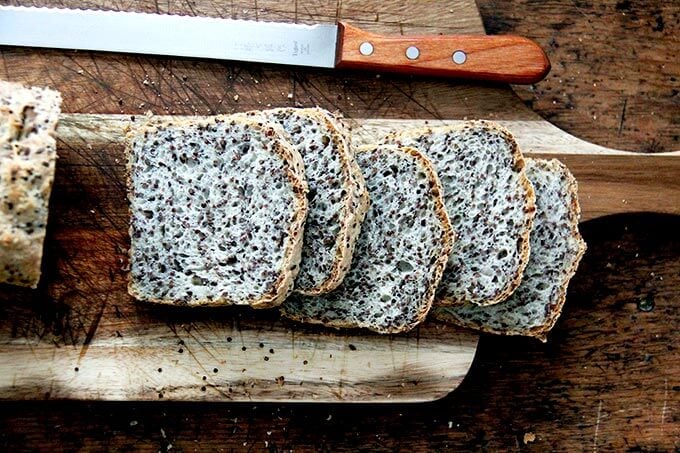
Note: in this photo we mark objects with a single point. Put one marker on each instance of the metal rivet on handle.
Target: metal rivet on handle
(412, 53)
(366, 48)
(459, 57)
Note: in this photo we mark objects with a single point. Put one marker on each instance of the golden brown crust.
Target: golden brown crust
(295, 174)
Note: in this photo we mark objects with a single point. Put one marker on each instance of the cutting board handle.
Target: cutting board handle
(508, 59)
(610, 181)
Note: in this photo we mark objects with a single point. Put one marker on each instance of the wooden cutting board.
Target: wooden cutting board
(80, 336)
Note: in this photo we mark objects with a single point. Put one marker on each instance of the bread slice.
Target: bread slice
(28, 153)
(402, 250)
(338, 199)
(217, 213)
(556, 249)
(491, 204)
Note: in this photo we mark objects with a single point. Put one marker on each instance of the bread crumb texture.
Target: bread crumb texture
(491, 205)
(401, 252)
(337, 196)
(28, 119)
(217, 213)
(556, 250)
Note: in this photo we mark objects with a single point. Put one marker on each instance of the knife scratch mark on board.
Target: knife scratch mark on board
(120, 70)
(85, 198)
(74, 300)
(201, 97)
(293, 100)
(100, 76)
(623, 116)
(314, 90)
(191, 7)
(665, 401)
(175, 89)
(85, 71)
(93, 329)
(597, 426)
(91, 159)
(188, 349)
(411, 98)
(4, 63)
(166, 81)
(234, 74)
(143, 63)
(48, 72)
(201, 343)
(236, 326)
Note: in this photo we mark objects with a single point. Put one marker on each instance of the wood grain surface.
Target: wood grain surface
(608, 378)
(610, 181)
(615, 78)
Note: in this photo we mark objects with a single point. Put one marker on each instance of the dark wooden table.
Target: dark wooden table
(609, 378)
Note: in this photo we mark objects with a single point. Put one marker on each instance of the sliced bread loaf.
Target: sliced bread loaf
(337, 197)
(491, 205)
(401, 253)
(28, 152)
(556, 249)
(217, 213)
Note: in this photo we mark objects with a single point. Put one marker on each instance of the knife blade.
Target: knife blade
(510, 59)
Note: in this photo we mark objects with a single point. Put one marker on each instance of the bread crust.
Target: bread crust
(356, 202)
(295, 175)
(556, 306)
(529, 206)
(354, 211)
(28, 121)
(447, 238)
(541, 332)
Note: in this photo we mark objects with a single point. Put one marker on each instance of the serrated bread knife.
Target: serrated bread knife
(509, 59)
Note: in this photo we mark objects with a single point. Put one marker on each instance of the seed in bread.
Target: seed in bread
(491, 205)
(401, 253)
(28, 153)
(556, 249)
(338, 199)
(217, 213)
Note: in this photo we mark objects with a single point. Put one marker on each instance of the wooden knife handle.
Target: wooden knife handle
(509, 59)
